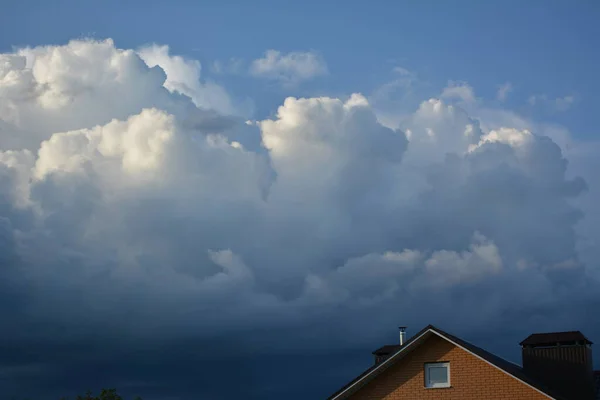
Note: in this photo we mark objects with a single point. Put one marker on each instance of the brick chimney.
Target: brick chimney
(562, 361)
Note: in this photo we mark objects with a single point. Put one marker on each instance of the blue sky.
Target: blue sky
(190, 185)
(541, 47)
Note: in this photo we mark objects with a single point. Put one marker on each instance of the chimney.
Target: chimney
(562, 361)
(382, 353)
(402, 334)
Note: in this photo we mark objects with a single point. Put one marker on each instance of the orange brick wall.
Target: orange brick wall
(470, 377)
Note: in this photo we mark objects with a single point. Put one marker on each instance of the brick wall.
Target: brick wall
(470, 377)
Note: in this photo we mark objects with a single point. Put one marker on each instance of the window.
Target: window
(437, 375)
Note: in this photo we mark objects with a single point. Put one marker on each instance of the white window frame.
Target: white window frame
(436, 365)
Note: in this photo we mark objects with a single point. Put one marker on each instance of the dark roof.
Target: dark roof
(548, 339)
(387, 349)
(508, 367)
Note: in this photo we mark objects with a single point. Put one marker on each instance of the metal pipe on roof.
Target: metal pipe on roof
(402, 334)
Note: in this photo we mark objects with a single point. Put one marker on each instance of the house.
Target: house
(434, 364)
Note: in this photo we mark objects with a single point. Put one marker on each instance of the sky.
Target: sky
(223, 199)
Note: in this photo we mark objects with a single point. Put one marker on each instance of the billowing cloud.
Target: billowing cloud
(378, 277)
(290, 68)
(86, 83)
(134, 215)
(183, 76)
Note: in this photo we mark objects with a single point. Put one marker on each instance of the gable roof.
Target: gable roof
(546, 339)
(507, 367)
(387, 349)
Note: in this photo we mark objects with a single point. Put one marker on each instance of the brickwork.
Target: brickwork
(470, 377)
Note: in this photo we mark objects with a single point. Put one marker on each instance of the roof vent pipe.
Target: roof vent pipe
(402, 334)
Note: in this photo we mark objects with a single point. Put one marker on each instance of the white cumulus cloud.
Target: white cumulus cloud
(183, 76)
(126, 196)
